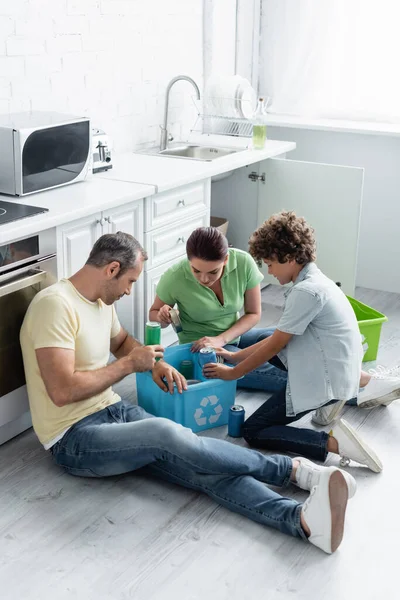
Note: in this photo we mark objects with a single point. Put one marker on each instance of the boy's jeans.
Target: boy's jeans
(268, 427)
(123, 438)
(267, 377)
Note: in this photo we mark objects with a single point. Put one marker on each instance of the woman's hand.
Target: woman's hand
(163, 315)
(214, 342)
(218, 371)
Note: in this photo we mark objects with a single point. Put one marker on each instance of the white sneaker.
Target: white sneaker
(327, 414)
(324, 511)
(382, 389)
(352, 447)
(308, 475)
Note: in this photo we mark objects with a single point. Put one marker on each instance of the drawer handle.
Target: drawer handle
(181, 203)
(181, 240)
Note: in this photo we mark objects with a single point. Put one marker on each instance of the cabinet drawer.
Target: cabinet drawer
(167, 243)
(178, 204)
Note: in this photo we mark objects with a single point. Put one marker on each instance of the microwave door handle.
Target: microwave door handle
(33, 277)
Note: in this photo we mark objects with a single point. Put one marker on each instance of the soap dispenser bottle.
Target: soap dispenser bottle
(259, 126)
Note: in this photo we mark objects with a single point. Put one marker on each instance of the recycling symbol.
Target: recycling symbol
(212, 415)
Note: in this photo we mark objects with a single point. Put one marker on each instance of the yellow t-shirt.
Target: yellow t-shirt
(60, 317)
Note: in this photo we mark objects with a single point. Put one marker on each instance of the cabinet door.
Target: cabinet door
(74, 243)
(130, 309)
(168, 335)
(329, 197)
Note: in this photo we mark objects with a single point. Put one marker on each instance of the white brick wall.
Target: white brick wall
(108, 59)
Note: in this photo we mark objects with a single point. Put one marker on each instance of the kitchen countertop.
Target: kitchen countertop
(71, 202)
(133, 176)
(166, 173)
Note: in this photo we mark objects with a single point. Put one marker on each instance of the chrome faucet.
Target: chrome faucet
(165, 138)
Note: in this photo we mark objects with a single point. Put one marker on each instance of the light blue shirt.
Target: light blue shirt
(324, 356)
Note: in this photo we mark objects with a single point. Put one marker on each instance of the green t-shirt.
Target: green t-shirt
(200, 311)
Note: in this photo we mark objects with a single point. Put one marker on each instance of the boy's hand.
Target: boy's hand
(218, 371)
(228, 356)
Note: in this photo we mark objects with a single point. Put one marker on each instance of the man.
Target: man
(66, 337)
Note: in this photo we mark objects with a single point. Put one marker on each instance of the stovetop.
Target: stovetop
(10, 211)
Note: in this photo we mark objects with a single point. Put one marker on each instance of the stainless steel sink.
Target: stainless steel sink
(192, 152)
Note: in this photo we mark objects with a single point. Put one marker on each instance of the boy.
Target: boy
(317, 341)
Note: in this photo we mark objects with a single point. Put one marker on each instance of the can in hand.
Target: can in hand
(236, 420)
(176, 321)
(152, 334)
(205, 356)
(186, 368)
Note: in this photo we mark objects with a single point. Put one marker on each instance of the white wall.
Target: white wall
(108, 59)
(379, 247)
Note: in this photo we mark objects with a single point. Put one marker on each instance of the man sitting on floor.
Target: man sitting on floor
(68, 332)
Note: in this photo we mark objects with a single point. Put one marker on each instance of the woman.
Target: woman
(210, 287)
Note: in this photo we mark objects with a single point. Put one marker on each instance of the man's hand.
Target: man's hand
(163, 315)
(163, 370)
(217, 371)
(214, 342)
(143, 358)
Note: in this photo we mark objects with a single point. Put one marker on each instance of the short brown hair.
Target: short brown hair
(284, 237)
(207, 243)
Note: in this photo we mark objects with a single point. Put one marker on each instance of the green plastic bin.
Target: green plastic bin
(370, 324)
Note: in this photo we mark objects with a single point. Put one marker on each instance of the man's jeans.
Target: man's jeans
(123, 438)
(267, 377)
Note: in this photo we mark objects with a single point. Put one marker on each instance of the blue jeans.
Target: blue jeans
(267, 377)
(123, 438)
(267, 428)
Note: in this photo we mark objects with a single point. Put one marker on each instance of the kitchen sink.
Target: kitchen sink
(193, 152)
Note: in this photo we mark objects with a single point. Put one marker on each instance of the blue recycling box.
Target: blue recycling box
(202, 406)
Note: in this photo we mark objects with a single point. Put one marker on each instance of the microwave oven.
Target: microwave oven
(42, 150)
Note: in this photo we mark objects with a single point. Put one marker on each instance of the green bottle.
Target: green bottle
(259, 126)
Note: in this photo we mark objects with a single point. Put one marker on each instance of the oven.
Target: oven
(26, 266)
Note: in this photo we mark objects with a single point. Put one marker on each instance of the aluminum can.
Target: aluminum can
(204, 356)
(152, 334)
(186, 368)
(236, 420)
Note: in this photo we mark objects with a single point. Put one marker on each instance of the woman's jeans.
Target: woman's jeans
(267, 377)
(123, 438)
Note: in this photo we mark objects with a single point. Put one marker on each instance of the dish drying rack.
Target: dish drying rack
(233, 123)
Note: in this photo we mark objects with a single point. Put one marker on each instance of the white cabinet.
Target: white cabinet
(129, 219)
(168, 335)
(75, 241)
(170, 218)
(328, 196)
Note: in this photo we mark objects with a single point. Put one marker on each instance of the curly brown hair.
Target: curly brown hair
(284, 237)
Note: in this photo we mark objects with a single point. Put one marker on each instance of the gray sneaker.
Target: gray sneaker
(327, 414)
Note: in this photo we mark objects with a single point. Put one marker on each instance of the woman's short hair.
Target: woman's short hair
(284, 237)
(207, 243)
(120, 247)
